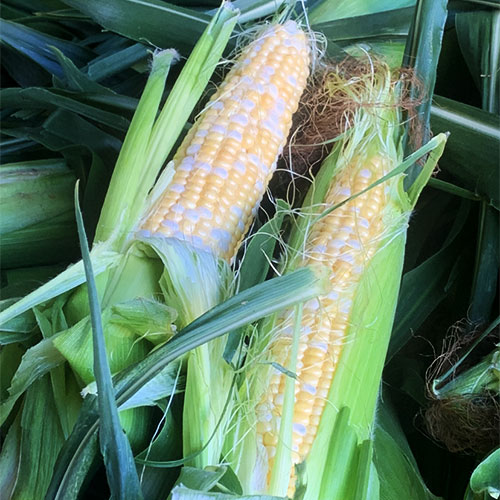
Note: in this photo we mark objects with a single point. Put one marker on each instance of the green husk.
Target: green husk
(375, 131)
(128, 273)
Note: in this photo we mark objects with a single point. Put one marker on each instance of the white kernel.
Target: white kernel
(221, 172)
(218, 105)
(269, 125)
(170, 224)
(322, 346)
(186, 165)
(241, 226)
(259, 88)
(194, 148)
(192, 215)
(337, 243)
(205, 212)
(365, 173)
(290, 27)
(177, 208)
(247, 61)
(222, 237)
(201, 133)
(278, 399)
(346, 229)
(248, 104)
(295, 447)
(347, 257)
(236, 210)
(178, 188)
(309, 388)
(319, 249)
(254, 159)
(234, 134)
(259, 186)
(240, 166)
(280, 105)
(354, 244)
(345, 305)
(333, 295)
(363, 222)
(203, 165)
(300, 429)
(246, 79)
(240, 119)
(345, 191)
(292, 80)
(273, 90)
(312, 304)
(219, 129)
(269, 70)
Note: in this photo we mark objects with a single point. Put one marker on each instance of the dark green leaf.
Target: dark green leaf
(157, 23)
(484, 288)
(41, 98)
(115, 448)
(41, 440)
(36, 46)
(106, 66)
(396, 466)
(365, 27)
(424, 287)
(422, 54)
(478, 34)
(473, 134)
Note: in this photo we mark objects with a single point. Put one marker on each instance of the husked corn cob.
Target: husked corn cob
(345, 240)
(227, 158)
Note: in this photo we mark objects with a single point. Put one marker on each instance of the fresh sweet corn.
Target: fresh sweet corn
(225, 162)
(344, 240)
(312, 374)
(221, 171)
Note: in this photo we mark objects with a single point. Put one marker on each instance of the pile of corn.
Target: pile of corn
(303, 369)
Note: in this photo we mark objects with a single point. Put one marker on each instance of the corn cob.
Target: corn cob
(227, 158)
(345, 240)
(360, 238)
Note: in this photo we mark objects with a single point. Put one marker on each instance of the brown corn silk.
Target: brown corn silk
(226, 160)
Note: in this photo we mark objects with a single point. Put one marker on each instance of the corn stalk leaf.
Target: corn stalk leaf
(161, 24)
(115, 448)
(422, 53)
(479, 38)
(416, 301)
(329, 10)
(396, 466)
